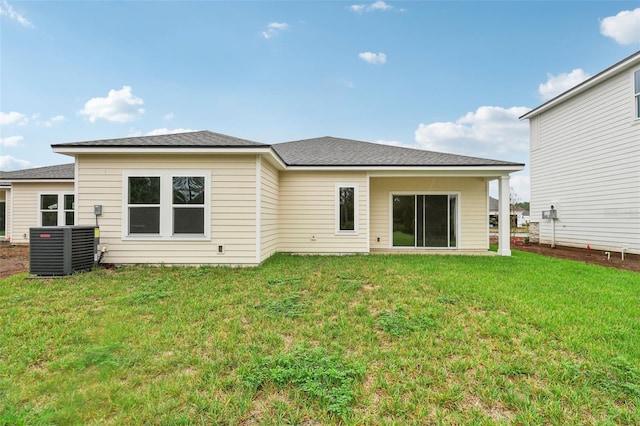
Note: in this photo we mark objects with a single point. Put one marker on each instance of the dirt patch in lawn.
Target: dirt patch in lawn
(631, 262)
(13, 259)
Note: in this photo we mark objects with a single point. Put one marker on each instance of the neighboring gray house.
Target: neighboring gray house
(42, 196)
(519, 216)
(585, 162)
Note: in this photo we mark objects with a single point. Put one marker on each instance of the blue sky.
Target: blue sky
(444, 76)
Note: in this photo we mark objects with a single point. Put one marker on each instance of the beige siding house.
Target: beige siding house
(585, 162)
(42, 196)
(206, 198)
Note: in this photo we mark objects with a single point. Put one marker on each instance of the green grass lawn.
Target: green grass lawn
(358, 339)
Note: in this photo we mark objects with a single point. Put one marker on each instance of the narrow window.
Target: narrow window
(188, 204)
(346, 209)
(69, 208)
(144, 205)
(636, 81)
(49, 209)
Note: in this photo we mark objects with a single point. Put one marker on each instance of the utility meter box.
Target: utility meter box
(550, 214)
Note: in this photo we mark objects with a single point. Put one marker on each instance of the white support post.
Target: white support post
(504, 217)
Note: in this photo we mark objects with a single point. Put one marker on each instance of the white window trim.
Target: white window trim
(61, 211)
(166, 205)
(458, 196)
(356, 210)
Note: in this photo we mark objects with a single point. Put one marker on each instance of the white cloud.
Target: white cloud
(373, 58)
(380, 5)
(168, 116)
(377, 5)
(13, 118)
(624, 28)
(346, 83)
(7, 10)
(489, 132)
(8, 163)
(119, 106)
(53, 120)
(521, 185)
(165, 131)
(10, 141)
(274, 28)
(557, 84)
(519, 182)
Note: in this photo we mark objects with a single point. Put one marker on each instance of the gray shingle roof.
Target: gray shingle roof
(202, 138)
(330, 151)
(62, 171)
(319, 152)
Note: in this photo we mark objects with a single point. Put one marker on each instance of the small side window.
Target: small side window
(49, 209)
(346, 209)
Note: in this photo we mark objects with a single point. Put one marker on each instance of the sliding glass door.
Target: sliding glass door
(424, 220)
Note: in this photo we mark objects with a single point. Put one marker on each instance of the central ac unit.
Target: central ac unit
(61, 250)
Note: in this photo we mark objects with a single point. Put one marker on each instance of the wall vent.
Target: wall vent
(61, 250)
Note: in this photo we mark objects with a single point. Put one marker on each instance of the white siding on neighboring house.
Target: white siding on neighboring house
(585, 160)
(268, 209)
(25, 211)
(307, 212)
(472, 205)
(233, 208)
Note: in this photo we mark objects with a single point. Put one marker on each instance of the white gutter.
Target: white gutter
(73, 150)
(70, 180)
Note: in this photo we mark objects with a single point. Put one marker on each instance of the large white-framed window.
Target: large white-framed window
(346, 208)
(166, 204)
(56, 208)
(636, 91)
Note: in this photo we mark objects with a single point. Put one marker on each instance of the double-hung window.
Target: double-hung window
(188, 204)
(167, 204)
(56, 209)
(346, 215)
(636, 87)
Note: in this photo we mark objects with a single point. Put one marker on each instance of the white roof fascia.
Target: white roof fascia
(70, 180)
(276, 160)
(376, 171)
(74, 150)
(585, 85)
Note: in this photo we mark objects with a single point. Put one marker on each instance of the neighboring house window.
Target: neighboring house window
(167, 204)
(636, 85)
(57, 209)
(346, 208)
(69, 209)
